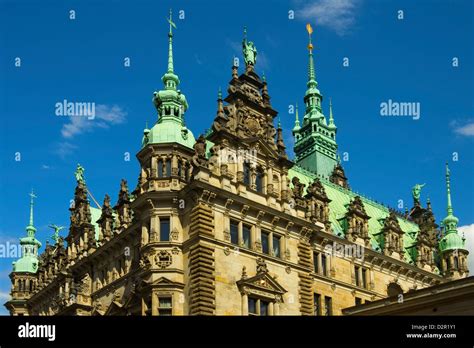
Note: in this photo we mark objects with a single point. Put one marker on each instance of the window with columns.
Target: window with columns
(241, 234)
(361, 276)
(271, 243)
(258, 307)
(321, 263)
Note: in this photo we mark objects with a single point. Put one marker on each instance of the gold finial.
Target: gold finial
(309, 29)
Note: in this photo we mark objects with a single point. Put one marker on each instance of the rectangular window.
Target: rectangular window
(276, 245)
(246, 174)
(324, 264)
(364, 278)
(234, 232)
(316, 262)
(356, 274)
(257, 306)
(168, 168)
(164, 229)
(265, 242)
(259, 182)
(252, 306)
(263, 308)
(327, 306)
(165, 306)
(246, 236)
(317, 304)
(358, 301)
(160, 169)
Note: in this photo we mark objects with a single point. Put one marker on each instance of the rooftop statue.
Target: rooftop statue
(416, 193)
(56, 229)
(79, 173)
(249, 50)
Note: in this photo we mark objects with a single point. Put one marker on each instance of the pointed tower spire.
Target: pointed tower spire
(171, 104)
(452, 246)
(297, 119)
(331, 117)
(450, 221)
(313, 97)
(170, 44)
(30, 245)
(315, 143)
(31, 228)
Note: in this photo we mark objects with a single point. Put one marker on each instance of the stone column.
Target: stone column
(276, 307)
(174, 165)
(245, 304)
(154, 167)
(270, 309)
(270, 178)
(154, 304)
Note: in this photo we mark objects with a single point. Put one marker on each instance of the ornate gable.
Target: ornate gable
(262, 284)
(248, 115)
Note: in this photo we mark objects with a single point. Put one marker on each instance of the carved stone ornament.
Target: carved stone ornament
(163, 259)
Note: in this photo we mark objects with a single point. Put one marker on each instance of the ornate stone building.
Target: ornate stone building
(228, 225)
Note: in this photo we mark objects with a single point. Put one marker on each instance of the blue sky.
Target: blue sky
(82, 60)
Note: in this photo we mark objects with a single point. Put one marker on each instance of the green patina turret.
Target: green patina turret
(451, 239)
(171, 105)
(315, 141)
(29, 246)
(452, 247)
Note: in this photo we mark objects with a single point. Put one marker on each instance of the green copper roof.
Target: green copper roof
(315, 141)
(171, 105)
(169, 132)
(451, 239)
(29, 246)
(340, 199)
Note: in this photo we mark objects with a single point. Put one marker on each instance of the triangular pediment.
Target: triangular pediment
(115, 308)
(263, 147)
(262, 282)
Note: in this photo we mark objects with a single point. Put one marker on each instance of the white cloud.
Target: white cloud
(468, 232)
(4, 296)
(466, 130)
(105, 116)
(235, 46)
(64, 149)
(337, 15)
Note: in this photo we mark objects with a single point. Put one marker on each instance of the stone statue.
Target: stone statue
(79, 173)
(199, 157)
(416, 193)
(298, 188)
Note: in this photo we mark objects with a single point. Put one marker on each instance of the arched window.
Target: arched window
(456, 262)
